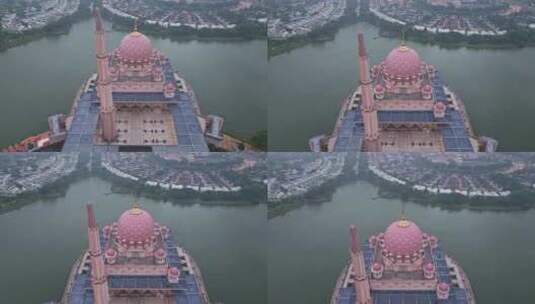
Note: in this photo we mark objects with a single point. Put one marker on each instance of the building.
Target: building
(134, 260)
(135, 102)
(467, 4)
(401, 265)
(401, 104)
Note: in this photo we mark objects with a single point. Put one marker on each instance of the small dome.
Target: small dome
(403, 238)
(135, 47)
(174, 271)
(442, 286)
(135, 225)
(379, 88)
(160, 252)
(110, 252)
(402, 62)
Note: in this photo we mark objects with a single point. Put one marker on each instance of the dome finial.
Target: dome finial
(135, 32)
(403, 219)
(403, 45)
(136, 209)
(404, 222)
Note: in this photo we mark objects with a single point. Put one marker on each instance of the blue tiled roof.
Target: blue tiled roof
(403, 116)
(454, 135)
(83, 125)
(438, 89)
(144, 97)
(351, 132)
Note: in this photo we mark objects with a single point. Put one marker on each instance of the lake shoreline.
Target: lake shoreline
(63, 26)
(276, 47)
(58, 189)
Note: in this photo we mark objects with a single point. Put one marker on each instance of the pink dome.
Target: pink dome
(135, 225)
(402, 62)
(160, 252)
(443, 286)
(174, 270)
(135, 47)
(110, 252)
(403, 238)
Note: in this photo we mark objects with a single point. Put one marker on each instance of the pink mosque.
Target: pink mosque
(135, 102)
(400, 105)
(134, 260)
(401, 265)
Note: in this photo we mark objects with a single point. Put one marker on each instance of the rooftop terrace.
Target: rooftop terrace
(347, 295)
(186, 291)
(172, 127)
